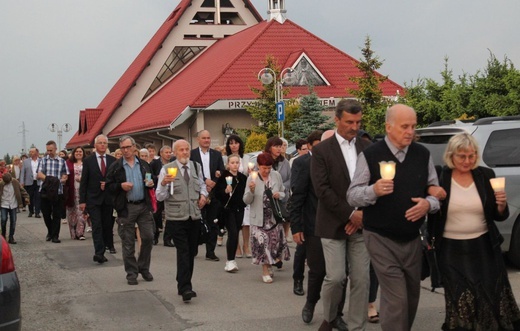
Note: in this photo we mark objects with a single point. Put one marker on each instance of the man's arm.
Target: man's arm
(360, 194)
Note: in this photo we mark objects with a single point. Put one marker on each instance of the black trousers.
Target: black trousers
(102, 227)
(52, 211)
(34, 196)
(211, 213)
(233, 220)
(299, 262)
(185, 236)
(157, 217)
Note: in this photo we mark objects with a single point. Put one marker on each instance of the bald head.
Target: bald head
(401, 121)
(327, 134)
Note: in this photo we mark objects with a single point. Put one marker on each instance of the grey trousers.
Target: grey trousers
(140, 215)
(336, 253)
(398, 268)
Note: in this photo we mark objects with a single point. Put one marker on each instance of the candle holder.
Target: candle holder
(498, 184)
(229, 180)
(387, 169)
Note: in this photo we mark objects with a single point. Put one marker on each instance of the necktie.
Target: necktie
(186, 174)
(103, 165)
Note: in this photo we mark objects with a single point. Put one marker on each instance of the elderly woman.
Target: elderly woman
(268, 244)
(477, 291)
(75, 216)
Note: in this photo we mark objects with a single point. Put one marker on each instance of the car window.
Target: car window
(502, 148)
(436, 145)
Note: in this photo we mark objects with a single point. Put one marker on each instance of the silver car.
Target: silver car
(10, 316)
(499, 142)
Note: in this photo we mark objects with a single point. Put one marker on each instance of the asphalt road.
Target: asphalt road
(63, 289)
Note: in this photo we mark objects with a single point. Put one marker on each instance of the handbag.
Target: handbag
(275, 206)
(430, 264)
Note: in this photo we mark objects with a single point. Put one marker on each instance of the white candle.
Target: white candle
(387, 169)
(229, 180)
(498, 184)
(251, 165)
(254, 174)
(172, 172)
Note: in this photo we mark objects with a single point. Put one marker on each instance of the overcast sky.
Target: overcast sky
(61, 56)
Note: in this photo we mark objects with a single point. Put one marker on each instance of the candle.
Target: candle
(251, 165)
(254, 174)
(498, 184)
(172, 172)
(387, 169)
(229, 180)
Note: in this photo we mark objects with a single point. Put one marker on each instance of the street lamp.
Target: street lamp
(53, 127)
(268, 76)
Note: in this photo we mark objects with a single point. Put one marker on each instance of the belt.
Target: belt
(137, 202)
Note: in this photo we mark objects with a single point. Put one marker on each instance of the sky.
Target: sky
(58, 57)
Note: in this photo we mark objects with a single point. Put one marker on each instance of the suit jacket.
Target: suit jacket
(303, 202)
(90, 189)
(215, 162)
(26, 176)
(330, 179)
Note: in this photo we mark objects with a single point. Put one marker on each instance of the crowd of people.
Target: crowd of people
(355, 229)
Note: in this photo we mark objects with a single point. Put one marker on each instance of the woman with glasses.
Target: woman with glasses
(478, 295)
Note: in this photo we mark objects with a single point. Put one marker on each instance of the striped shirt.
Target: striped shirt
(54, 167)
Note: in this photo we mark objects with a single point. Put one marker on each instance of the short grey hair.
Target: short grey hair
(460, 142)
(100, 136)
(127, 137)
(164, 148)
(178, 141)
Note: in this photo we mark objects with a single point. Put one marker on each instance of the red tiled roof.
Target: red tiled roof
(229, 68)
(114, 97)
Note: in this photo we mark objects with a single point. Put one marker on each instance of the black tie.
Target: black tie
(186, 174)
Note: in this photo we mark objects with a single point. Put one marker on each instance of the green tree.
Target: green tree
(368, 90)
(255, 142)
(264, 110)
(310, 118)
(7, 158)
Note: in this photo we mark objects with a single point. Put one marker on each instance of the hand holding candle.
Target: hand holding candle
(172, 172)
(498, 184)
(387, 169)
(229, 180)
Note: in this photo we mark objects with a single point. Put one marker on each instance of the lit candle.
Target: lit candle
(498, 184)
(387, 169)
(254, 174)
(229, 180)
(251, 165)
(172, 172)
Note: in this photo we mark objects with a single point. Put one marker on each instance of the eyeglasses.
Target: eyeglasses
(101, 143)
(464, 157)
(125, 147)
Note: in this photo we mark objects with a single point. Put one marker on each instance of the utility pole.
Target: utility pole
(24, 142)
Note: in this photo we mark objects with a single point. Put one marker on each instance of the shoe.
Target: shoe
(155, 241)
(12, 241)
(231, 266)
(289, 239)
(147, 276)
(267, 279)
(100, 259)
(248, 255)
(38, 216)
(112, 250)
(30, 215)
(87, 229)
(278, 264)
(132, 281)
(169, 244)
(339, 324)
(373, 318)
(63, 221)
(81, 238)
(187, 295)
(23, 209)
(239, 255)
(298, 287)
(212, 257)
(308, 312)
(219, 240)
(48, 238)
(325, 326)
(56, 240)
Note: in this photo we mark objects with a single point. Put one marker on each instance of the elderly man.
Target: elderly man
(28, 178)
(126, 181)
(184, 195)
(54, 173)
(212, 166)
(93, 198)
(338, 224)
(393, 211)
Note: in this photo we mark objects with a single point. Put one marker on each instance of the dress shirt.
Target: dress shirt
(348, 148)
(8, 197)
(134, 175)
(204, 157)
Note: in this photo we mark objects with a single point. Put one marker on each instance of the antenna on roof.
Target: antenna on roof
(276, 10)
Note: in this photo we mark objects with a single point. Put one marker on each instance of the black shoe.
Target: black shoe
(38, 216)
(187, 295)
(147, 276)
(278, 264)
(298, 287)
(132, 281)
(56, 240)
(112, 250)
(30, 215)
(155, 241)
(100, 259)
(169, 244)
(12, 241)
(212, 257)
(339, 324)
(48, 237)
(308, 312)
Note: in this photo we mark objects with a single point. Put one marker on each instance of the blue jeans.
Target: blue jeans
(12, 217)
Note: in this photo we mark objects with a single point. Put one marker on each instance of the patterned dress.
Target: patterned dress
(75, 216)
(268, 242)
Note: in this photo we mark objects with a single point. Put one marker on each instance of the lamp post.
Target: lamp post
(268, 76)
(53, 127)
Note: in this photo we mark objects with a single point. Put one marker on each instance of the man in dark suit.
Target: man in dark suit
(212, 166)
(338, 224)
(95, 200)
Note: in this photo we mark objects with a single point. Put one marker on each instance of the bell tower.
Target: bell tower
(276, 10)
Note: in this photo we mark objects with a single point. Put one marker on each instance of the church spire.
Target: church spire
(276, 10)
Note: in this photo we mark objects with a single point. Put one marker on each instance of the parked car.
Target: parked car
(499, 144)
(10, 315)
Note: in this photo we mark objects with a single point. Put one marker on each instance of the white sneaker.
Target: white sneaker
(88, 229)
(231, 266)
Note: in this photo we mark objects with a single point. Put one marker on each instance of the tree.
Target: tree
(7, 158)
(310, 118)
(264, 110)
(368, 90)
(255, 142)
